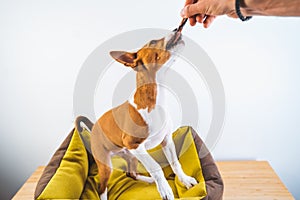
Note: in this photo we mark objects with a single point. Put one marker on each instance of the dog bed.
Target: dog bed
(72, 172)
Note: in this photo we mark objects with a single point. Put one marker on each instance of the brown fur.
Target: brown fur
(124, 126)
(145, 96)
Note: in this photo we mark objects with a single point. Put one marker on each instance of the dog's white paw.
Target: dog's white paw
(103, 196)
(165, 190)
(188, 181)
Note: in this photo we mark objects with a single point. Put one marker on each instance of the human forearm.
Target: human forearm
(271, 7)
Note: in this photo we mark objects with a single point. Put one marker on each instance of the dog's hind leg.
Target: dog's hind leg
(104, 172)
(132, 163)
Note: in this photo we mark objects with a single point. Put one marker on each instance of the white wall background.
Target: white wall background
(44, 43)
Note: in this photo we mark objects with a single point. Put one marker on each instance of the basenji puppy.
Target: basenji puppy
(129, 129)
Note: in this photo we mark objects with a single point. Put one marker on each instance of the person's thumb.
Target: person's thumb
(191, 10)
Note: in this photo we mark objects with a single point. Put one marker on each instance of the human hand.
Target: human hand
(205, 11)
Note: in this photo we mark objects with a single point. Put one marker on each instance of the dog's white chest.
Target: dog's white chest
(158, 120)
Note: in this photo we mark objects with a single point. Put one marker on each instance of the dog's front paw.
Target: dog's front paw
(188, 181)
(146, 179)
(165, 190)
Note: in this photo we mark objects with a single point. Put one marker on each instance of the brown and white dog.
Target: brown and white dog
(128, 129)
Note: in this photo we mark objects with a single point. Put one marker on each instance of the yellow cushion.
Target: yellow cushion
(77, 175)
(90, 190)
(122, 187)
(70, 177)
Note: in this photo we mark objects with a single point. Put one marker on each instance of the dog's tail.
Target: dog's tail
(86, 121)
(86, 138)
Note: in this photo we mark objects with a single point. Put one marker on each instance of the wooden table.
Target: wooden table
(251, 180)
(242, 180)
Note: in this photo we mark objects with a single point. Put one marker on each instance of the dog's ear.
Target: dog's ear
(126, 58)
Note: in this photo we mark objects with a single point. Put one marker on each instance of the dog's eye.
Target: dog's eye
(152, 42)
(137, 142)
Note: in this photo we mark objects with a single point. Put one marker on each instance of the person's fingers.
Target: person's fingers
(208, 20)
(199, 18)
(187, 2)
(192, 9)
(192, 21)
